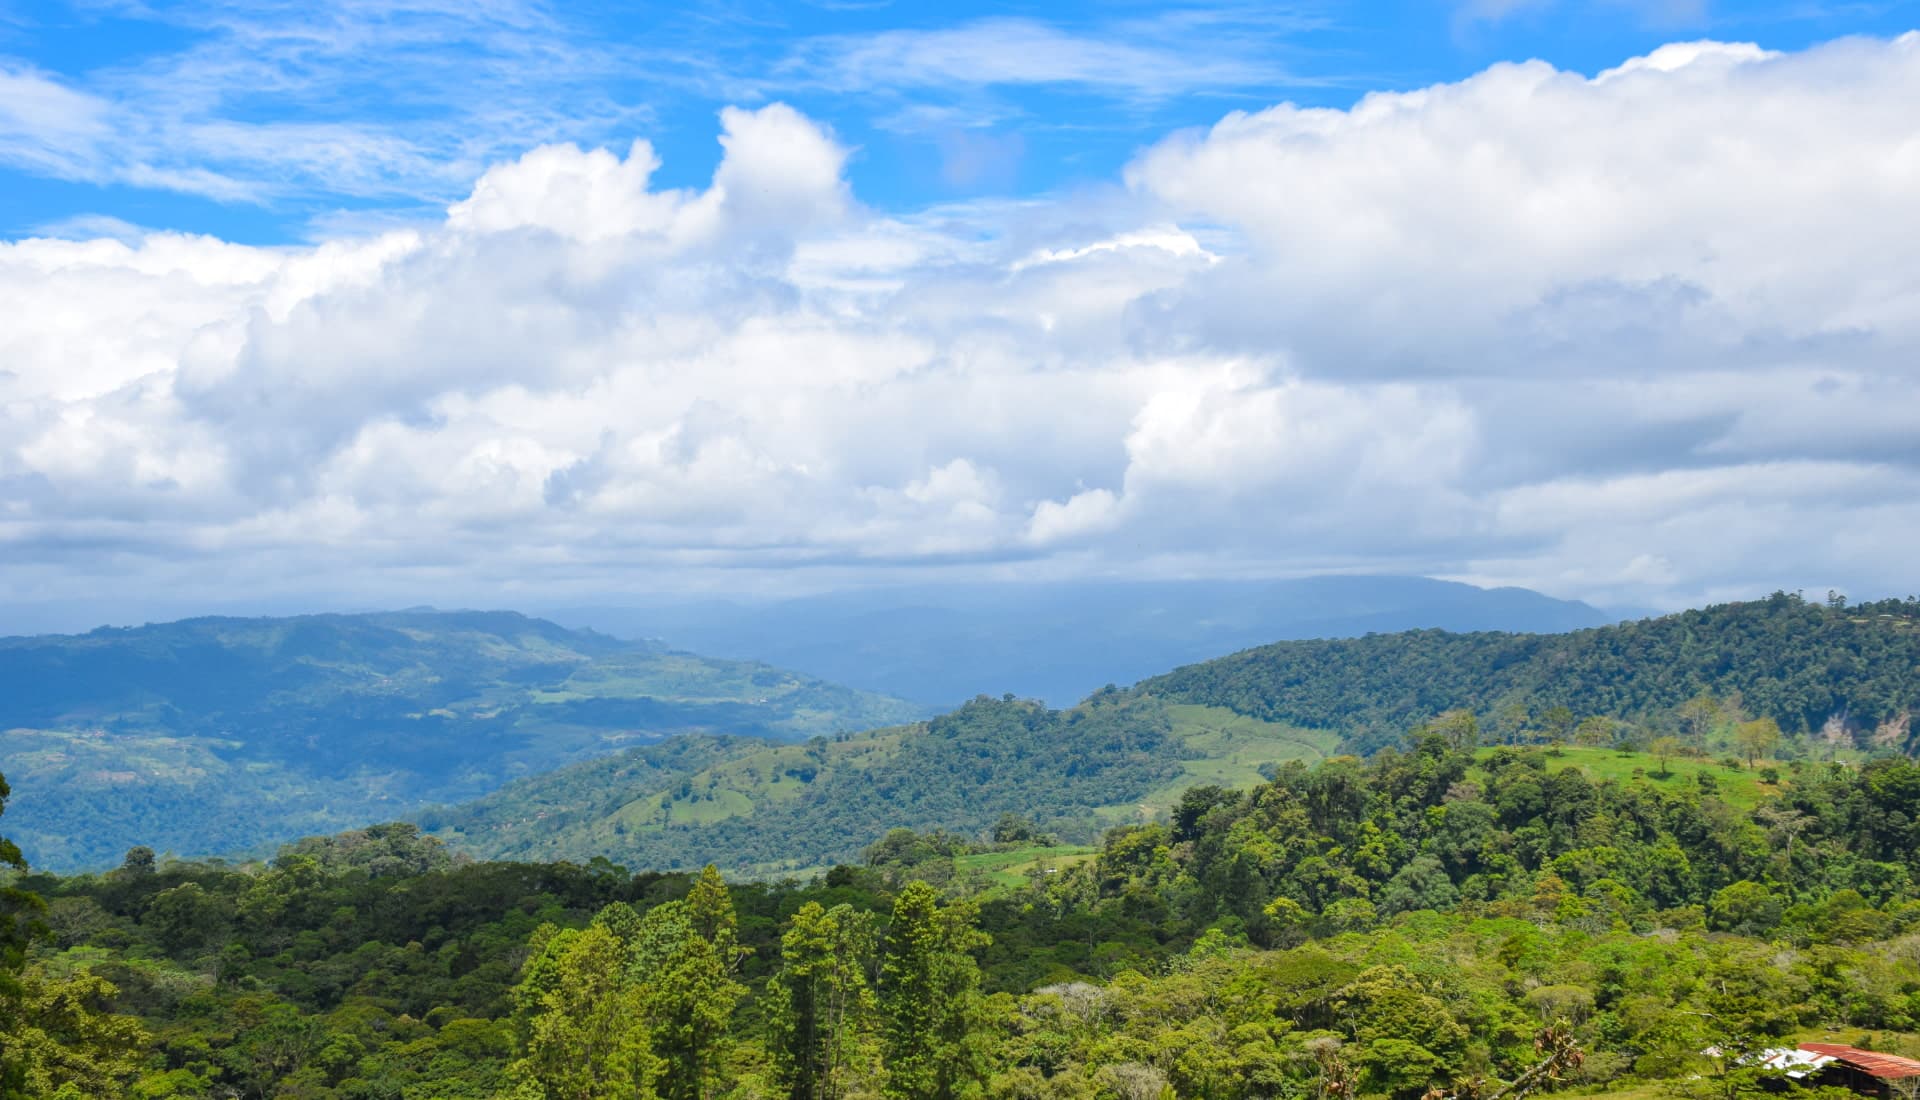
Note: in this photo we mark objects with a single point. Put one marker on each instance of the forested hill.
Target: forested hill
(760, 807)
(219, 735)
(1851, 672)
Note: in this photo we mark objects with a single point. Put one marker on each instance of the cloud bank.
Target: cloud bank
(1649, 336)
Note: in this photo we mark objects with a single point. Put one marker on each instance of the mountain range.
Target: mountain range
(514, 737)
(1061, 641)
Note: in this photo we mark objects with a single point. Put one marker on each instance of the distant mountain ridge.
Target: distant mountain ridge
(224, 734)
(1851, 673)
(1061, 641)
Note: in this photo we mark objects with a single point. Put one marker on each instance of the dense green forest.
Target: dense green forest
(1847, 673)
(180, 735)
(1445, 916)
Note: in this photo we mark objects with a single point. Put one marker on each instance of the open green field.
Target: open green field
(1739, 787)
(1011, 868)
(1231, 749)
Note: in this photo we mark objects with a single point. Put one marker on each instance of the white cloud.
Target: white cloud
(1169, 239)
(584, 196)
(1646, 336)
(1161, 58)
(46, 126)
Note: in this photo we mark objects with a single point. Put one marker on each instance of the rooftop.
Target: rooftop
(1886, 1066)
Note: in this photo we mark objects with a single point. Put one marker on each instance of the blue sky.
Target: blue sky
(484, 302)
(264, 121)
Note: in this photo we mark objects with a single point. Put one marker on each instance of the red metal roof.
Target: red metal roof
(1887, 1066)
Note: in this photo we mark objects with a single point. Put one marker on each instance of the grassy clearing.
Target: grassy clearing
(1232, 748)
(1011, 868)
(1739, 787)
(707, 807)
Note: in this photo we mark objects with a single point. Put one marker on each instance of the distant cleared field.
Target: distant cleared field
(1011, 868)
(1228, 750)
(1736, 786)
(1233, 748)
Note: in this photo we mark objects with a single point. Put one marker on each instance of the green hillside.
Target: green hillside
(763, 808)
(218, 735)
(1811, 667)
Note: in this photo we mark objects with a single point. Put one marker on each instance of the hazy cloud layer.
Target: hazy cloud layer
(1648, 337)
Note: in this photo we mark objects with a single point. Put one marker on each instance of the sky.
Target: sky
(502, 303)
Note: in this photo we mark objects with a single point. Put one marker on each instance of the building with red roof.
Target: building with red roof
(1867, 1071)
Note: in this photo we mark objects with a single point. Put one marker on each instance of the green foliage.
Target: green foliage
(20, 912)
(1350, 928)
(930, 1006)
(631, 1006)
(59, 1033)
(19, 909)
(579, 1016)
(820, 1002)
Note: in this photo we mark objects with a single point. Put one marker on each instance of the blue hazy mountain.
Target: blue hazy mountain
(1059, 642)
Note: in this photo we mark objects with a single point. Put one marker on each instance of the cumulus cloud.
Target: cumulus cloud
(1644, 336)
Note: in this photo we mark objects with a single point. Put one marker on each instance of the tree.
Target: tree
(929, 998)
(138, 863)
(1406, 1038)
(1557, 722)
(1555, 1042)
(19, 910)
(1663, 750)
(580, 1020)
(1757, 738)
(1012, 828)
(1699, 716)
(686, 961)
(1421, 884)
(20, 925)
(1460, 727)
(1595, 730)
(183, 916)
(59, 1039)
(1511, 722)
(1745, 908)
(820, 999)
